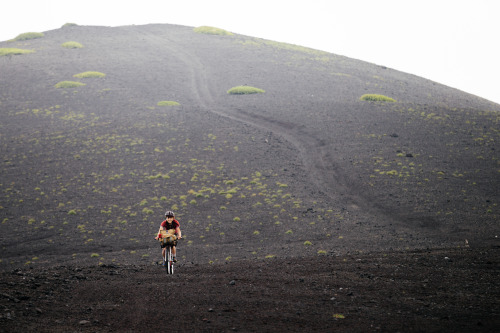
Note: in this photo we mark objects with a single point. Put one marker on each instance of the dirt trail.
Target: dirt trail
(319, 164)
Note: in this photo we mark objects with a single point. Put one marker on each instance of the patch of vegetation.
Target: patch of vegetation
(212, 31)
(243, 90)
(69, 84)
(69, 25)
(293, 47)
(89, 74)
(72, 45)
(168, 103)
(317, 54)
(8, 51)
(376, 98)
(28, 36)
(214, 194)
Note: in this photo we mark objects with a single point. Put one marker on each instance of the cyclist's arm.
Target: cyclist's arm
(178, 232)
(158, 235)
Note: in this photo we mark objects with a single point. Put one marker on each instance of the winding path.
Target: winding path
(327, 178)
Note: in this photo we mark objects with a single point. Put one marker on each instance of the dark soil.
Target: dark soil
(417, 291)
(301, 208)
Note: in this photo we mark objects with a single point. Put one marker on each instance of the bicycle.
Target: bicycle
(168, 259)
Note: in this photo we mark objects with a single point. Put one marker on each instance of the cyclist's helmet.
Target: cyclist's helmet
(169, 213)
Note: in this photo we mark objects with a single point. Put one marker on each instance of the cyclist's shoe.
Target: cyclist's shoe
(164, 264)
(175, 259)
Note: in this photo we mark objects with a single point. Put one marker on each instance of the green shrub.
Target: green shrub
(69, 25)
(89, 74)
(212, 31)
(7, 51)
(376, 98)
(72, 45)
(69, 84)
(243, 90)
(147, 211)
(168, 103)
(29, 35)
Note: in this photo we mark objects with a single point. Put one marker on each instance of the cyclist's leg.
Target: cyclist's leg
(174, 252)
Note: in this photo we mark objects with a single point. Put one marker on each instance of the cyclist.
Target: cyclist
(170, 223)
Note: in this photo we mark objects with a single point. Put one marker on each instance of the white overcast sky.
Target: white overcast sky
(454, 42)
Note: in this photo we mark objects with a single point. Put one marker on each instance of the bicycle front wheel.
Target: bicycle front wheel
(170, 261)
(165, 258)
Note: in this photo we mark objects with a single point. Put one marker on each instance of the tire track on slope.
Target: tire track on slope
(322, 171)
(196, 70)
(310, 148)
(327, 178)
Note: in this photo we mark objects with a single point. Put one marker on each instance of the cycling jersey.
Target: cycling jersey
(170, 226)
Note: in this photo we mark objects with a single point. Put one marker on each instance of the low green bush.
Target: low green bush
(168, 103)
(89, 74)
(376, 98)
(243, 90)
(212, 31)
(7, 51)
(29, 35)
(69, 84)
(69, 25)
(72, 45)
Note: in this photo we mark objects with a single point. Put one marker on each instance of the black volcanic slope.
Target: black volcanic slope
(91, 169)
(301, 207)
